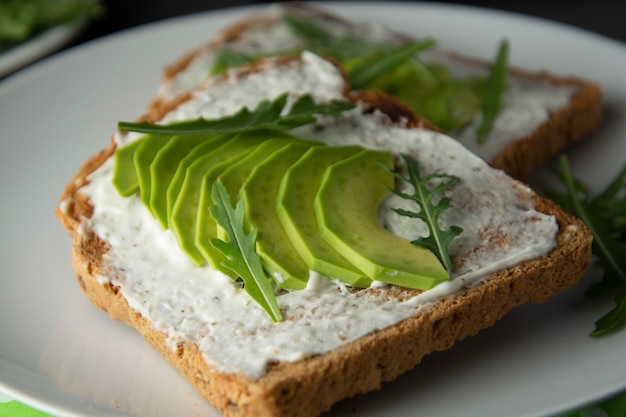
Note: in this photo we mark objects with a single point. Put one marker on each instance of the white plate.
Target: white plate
(38, 47)
(61, 355)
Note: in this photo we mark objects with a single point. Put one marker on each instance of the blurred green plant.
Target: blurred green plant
(21, 20)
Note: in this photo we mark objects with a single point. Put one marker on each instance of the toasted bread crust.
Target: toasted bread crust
(311, 386)
(566, 126)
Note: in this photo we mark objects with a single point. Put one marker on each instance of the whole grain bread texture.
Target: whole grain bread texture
(309, 387)
(565, 125)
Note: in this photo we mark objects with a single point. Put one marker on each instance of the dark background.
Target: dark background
(605, 17)
(600, 16)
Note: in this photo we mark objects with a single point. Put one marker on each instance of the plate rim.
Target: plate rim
(41, 67)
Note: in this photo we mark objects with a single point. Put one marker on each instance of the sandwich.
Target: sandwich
(286, 241)
(535, 116)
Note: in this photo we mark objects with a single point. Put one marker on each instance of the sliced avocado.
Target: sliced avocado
(346, 209)
(144, 155)
(235, 175)
(259, 193)
(295, 210)
(173, 190)
(184, 217)
(432, 92)
(206, 227)
(124, 173)
(164, 166)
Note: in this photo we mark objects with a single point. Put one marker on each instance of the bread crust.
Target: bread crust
(565, 126)
(309, 387)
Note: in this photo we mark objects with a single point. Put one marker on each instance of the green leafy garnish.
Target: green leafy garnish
(604, 216)
(424, 193)
(240, 251)
(23, 19)
(318, 40)
(268, 115)
(226, 59)
(379, 64)
(307, 30)
(429, 89)
(495, 86)
(313, 38)
(447, 102)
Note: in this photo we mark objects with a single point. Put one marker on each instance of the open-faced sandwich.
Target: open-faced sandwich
(514, 118)
(286, 242)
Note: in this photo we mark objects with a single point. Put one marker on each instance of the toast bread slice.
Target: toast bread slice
(310, 385)
(518, 153)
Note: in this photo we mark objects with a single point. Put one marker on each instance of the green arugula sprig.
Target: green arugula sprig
(495, 86)
(376, 65)
(396, 69)
(605, 216)
(424, 193)
(375, 58)
(268, 115)
(318, 40)
(226, 59)
(313, 38)
(240, 251)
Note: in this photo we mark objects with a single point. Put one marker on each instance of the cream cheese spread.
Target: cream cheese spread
(203, 306)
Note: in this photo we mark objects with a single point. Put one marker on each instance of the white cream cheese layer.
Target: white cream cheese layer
(200, 305)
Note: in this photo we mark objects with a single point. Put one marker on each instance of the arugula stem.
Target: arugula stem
(582, 213)
(438, 240)
(432, 220)
(495, 87)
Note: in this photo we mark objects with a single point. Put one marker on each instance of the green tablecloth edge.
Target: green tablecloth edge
(613, 407)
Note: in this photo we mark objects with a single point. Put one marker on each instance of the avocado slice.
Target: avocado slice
(124, 173)
(173, 190)
(183, 220)
(259, 193)
(295, 210)
(346, 210)
(235, 175)
(164, 166)
(206, 227)
(143, 158)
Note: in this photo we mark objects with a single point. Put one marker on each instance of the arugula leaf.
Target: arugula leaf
(602, 215)
(380, 64)
(240, 251)
(226, 59)
(610, 204)
(495, 86)
(268, 115)
(307, 29)
(610, 321)
(319, 41)
(314, 38)
(438, 240)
